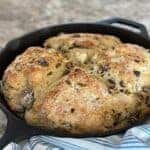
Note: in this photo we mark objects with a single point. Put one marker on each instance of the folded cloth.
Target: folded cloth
(136, 138)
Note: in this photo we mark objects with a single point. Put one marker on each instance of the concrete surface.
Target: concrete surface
(18, 17)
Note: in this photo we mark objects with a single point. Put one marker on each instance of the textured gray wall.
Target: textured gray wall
(18, 17)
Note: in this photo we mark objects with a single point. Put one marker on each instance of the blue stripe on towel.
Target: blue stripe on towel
(63, 143)
(137, 138)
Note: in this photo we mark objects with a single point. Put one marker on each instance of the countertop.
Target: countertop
(18, 17)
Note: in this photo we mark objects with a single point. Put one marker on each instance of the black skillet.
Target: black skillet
(17, 129)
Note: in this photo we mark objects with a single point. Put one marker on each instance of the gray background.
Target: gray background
(18, 17)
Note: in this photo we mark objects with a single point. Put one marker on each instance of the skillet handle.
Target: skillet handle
(16, 129)
(131, 24)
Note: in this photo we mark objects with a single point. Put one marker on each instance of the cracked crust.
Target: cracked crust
(80, 84)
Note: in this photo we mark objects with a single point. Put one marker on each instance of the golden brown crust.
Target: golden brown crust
(82, 40)
(82, 105)
(30, 73)
(122, 69)
(89, 85)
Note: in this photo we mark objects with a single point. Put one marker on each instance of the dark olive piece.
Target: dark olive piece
(121, 90)
(69, 65)
(137, 60)
(82, 84)
(111, 81)
(72, 110)
(103, 68)
(49, 73)
(43, 62)
(68, 82)
(58, 65)
(66, 71)
(122, 83)
(137, 73)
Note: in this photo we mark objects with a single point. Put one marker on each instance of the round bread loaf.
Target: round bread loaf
(80, 84)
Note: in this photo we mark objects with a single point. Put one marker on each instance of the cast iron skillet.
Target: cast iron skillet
(17, 129)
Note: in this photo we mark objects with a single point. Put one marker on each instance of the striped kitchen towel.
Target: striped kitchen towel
(136, 138)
